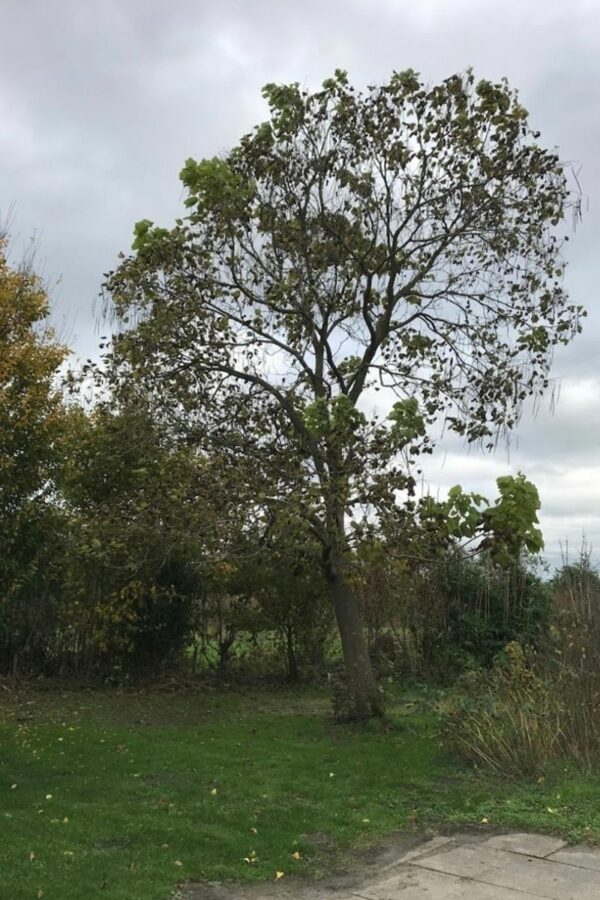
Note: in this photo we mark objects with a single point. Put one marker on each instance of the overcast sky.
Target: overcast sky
(101, 103)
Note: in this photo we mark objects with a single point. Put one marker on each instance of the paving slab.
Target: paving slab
(582, 856)
(527, 844)
(467, 860)
(425, 849)
(414, 883)
(542, 877)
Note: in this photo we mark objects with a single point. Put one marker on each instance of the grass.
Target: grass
(125, 795)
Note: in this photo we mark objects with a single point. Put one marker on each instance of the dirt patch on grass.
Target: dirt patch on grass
(338, 870)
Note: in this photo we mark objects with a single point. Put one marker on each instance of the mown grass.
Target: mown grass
(125, 795)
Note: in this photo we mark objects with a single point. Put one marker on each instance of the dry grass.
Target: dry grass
(532, 710)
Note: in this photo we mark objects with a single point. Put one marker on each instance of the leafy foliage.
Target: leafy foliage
(135, 565)
(31, 414)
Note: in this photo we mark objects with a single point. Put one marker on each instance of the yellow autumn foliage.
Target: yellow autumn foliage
(30, 405)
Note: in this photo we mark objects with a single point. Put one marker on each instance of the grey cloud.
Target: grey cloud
(100, 104)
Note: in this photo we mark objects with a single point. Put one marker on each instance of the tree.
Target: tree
(401, 238)
(137, 515)
(289, 590)
(31, 413)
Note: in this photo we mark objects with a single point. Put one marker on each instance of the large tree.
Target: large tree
(402, 238)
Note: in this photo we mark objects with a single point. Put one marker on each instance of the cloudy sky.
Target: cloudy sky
(101, 103)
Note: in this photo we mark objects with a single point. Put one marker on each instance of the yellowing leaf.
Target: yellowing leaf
(279, 875)
(484, 821)
(297, 855)
(214, 792)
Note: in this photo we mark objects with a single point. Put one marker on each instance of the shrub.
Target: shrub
(486, 607)
(528, 712)
(448, 615)
(507, 719)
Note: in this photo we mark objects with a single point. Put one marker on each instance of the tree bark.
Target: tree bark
(225, 645)
(364, 697)
(293, 673)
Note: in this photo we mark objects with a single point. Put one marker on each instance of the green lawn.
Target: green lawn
(125, 795)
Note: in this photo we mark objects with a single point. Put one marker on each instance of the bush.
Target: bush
(527, 712)
(487, 607)
(447, 616)
(507, 719)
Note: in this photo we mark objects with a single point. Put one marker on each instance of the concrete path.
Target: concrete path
(503, 867)
(462, 867)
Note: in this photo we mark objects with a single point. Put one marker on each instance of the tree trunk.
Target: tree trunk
(364, 697)
(293, 673)
(225, 645)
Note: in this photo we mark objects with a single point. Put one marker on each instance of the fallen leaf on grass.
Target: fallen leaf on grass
(297, 855)
(279, 875)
